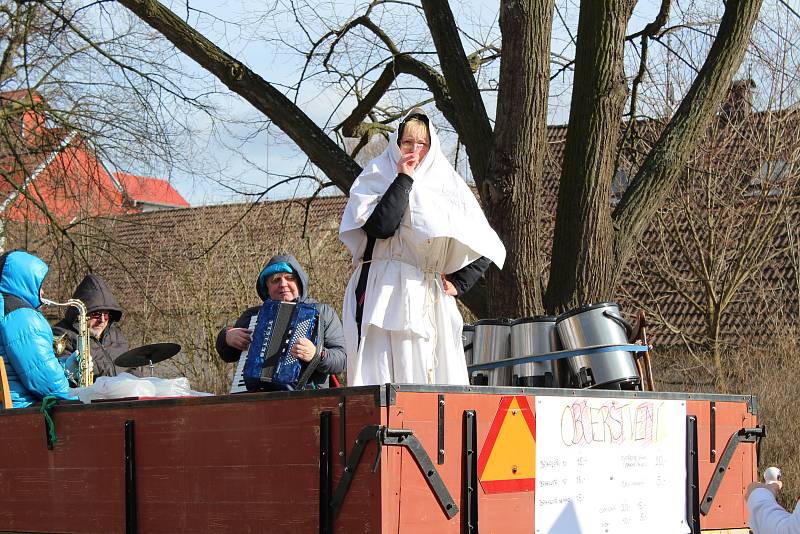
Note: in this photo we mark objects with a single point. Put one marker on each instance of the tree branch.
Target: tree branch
(401, 64)
(661, 168)
(309, 137)
(658, 23)
(472, 124)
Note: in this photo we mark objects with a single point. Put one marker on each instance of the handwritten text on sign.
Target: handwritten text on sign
(610, 465)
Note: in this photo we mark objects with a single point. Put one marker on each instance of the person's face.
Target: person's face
(98, 321)
(283, 286)
(415, 140)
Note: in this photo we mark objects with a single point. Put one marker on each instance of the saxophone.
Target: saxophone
(85, 365)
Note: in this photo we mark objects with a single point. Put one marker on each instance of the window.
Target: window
(772, 172)
(774, 176)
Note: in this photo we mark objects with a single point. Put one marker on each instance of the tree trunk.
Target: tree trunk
(512, 188)
(714, 321)
(586, 256)
(582, 257)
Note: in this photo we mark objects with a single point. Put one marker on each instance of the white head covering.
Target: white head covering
(441, 204)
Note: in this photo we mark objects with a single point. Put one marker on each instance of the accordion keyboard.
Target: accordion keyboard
(237, 385)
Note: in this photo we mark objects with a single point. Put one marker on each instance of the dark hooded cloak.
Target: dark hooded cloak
(96, 294)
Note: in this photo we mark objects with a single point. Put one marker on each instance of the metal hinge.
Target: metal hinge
(744, 435)
(385, 436)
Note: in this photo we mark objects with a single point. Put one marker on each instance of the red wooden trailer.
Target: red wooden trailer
(393, 458)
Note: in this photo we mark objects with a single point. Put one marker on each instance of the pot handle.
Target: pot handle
(622, 322)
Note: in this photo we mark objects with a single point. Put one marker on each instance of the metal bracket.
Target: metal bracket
(392, 437)
(343, 430)
(712, 432)
(385, 395)
(325, 473)
(470, 492)
(440, 430)
(744, 435)
(692, 476)
(391, 395)
(130, 479)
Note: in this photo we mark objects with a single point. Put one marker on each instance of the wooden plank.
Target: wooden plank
(513, 512)
(201, 466)
(419, 511)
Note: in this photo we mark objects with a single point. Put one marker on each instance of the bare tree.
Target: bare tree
(725, 225)
(83, 93)
(507, 161)
(716, 258)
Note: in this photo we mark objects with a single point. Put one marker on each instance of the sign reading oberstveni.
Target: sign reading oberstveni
(610, 465)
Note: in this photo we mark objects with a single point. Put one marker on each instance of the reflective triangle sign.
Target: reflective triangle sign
(507, 461)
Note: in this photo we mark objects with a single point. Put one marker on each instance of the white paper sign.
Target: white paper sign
(614, 466)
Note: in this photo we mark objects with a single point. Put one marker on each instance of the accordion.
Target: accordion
(270, 364)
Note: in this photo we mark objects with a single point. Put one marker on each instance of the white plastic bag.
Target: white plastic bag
(127, 385)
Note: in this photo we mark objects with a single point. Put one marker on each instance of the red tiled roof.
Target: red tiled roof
(150, 190)
(19, 95)
(54, 170)
(63, 175)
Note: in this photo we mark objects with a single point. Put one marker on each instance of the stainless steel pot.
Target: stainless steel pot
(491, 343)
(533, 336)
(467, 335)
(598, 324)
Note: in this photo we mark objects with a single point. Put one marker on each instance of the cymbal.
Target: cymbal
(147, 354)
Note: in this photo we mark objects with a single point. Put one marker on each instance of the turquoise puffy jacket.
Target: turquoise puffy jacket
(26, 341)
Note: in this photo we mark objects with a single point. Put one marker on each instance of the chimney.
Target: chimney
(25, 112)
(33, 122)
(739, 102)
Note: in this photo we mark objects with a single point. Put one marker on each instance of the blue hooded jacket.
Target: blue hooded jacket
(26, 341)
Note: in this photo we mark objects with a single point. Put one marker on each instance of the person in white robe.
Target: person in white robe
(766, 515)
(418, 239)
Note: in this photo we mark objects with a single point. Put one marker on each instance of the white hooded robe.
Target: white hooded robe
(410, 328)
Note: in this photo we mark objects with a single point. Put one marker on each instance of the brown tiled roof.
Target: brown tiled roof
(196, 261)
(669, 283)
(230, 243)
(736, 150)
(181, 274)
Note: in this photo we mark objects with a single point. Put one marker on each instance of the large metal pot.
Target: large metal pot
(467, 335)
(598, 324)
(491, 343)
(534, 336)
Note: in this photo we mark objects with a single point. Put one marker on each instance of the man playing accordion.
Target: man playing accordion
(283, 279)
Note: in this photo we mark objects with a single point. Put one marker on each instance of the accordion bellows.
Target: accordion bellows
(270, 364)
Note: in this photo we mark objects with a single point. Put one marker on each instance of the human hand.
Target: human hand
(408, 162)
(70, 365)
(238, 338)
(449, 288)
(774, 487)
(304, 350)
